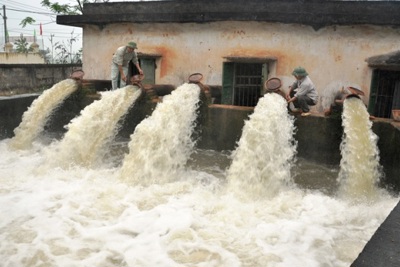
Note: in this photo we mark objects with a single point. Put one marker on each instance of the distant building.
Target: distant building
(239, 44)
(10, 56)
(20, 58)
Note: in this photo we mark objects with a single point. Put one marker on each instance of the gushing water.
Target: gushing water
(90, 217)
(359, 166)
(162, 143)
(264, 156)
(87, 137)
(35, 118)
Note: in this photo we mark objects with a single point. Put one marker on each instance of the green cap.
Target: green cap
(299, 71)
(132, 45)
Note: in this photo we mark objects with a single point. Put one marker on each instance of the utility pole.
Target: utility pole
(5, 25)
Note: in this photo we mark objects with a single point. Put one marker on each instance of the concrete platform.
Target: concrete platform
(383, 249)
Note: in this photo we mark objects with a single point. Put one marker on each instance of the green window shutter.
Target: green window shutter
(373, 92)
(227, 83)
(148, 66)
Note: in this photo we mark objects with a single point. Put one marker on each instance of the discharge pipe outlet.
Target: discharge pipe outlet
(353, 92)
(196, 79)
(77, 75)
(273, 85)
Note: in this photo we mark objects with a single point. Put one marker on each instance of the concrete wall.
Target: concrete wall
(11, 111)
(220, 128)
(21, 58)
(331, 54)
(28, 78)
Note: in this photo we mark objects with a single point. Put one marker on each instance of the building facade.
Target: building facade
(239, 44)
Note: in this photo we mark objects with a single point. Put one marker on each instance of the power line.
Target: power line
(61, 35)
(14, 4)
(29, 11)
(56, 31)
(19, 19)
(45, 17)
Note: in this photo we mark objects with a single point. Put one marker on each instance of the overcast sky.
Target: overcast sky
(17, 10)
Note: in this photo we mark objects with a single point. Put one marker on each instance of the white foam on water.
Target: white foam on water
(89, 217)
(162, 143)
(88, 135)
(35, 118)
(359, 166)
(265, 152)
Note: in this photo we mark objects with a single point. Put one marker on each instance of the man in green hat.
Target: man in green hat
(302, 92)
(120, 64)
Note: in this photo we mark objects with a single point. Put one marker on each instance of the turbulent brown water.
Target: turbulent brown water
(176, 206)
(35, 118)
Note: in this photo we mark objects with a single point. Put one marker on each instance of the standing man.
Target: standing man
(120, 64)
(302, 92)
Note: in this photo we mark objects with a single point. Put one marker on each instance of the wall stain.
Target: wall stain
(168, 58)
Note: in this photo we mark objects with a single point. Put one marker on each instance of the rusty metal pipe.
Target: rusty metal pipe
(273, 85)
(352, 96)
(77, 75)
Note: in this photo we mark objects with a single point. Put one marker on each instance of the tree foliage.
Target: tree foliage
(27, 20)
(64, 9)
(22, 45)
(64, 52)
(68, 9)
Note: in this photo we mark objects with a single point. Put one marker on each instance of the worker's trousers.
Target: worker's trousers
(116, 81)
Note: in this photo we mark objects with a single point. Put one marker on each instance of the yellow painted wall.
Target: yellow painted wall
(20, 58)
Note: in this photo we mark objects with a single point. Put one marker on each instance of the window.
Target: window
(243, 83)
(385, 93)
